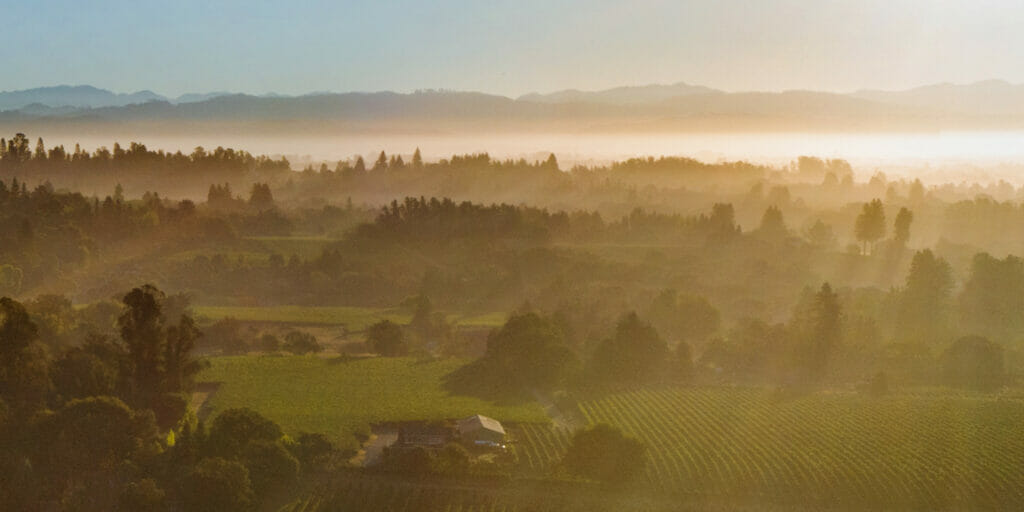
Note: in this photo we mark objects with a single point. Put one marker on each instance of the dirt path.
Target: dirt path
(203, 392)
(372, 452)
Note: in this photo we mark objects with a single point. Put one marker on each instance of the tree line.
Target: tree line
(105, 423)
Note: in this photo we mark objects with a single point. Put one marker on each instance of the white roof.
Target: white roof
(477, 422)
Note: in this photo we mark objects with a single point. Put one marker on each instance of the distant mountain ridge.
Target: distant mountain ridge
(627, 95)
(87, 96)
(79, 96)
(989, 104)
(989, 97)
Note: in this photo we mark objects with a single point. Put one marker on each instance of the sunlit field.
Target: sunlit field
(573, 256)
(341, 397)
(353, 318)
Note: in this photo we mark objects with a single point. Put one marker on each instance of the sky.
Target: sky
(508, 48)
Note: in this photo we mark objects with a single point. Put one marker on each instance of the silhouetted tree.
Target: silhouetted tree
(233, 430)
(386, 338)
(923, 313)
(870, 225)
(992, 300)
(381, 164)
(261, 198)
(636, 353)
(142, 330)
(271, 467)
(821, 335)
(820, 235)
(40, 154)
(143, 496)
(179, 364)
(551, 163)
(683, 317)
(529, 350)
(218, 485)
(901, 228)
(603, 453)
(81, 373)
(722, 222)
(17, 150)
(974, 362)
(772, 225)
(417, 160)
(24, 373)
(301, 342)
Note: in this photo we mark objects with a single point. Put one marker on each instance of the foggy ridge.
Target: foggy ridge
(982, 105)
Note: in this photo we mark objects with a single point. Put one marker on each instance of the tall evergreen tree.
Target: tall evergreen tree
(992, 301)
(870, 224)
(40, 153)
(141, 326)
(382, 163)
(901, 228)
(772, 223)
(417, 160)
(923, 310)
(821, 334)
(551, 163)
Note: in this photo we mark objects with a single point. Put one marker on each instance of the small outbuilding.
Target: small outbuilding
(426, 434)
(481, 430)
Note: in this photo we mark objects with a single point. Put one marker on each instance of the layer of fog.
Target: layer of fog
(938, 157)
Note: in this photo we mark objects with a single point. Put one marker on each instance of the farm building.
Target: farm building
(424, 434)
(481, 430)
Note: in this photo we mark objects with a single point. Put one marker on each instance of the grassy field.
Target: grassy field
(354, 318)
(336, 397)
(924, 451)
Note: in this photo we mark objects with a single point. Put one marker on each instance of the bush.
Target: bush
(169, 408)
(301, 343)
(635, 353)
(386, 338)
(270, 467)
(269, 343)
(142, 496)
(217, 485)
(453, 459)
(226, 334)
(603, 453)
(974, 362)
(234, 430)
(312, 450)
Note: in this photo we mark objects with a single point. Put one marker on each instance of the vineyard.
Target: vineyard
(394, 495)
(751, 449)
(369, 495)
(917, 451)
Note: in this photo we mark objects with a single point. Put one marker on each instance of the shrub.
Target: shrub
(603, 453)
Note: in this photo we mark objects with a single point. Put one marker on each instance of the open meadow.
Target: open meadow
(340, 397)
(355, 319)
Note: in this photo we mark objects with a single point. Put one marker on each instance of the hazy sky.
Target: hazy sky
(507, 47)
